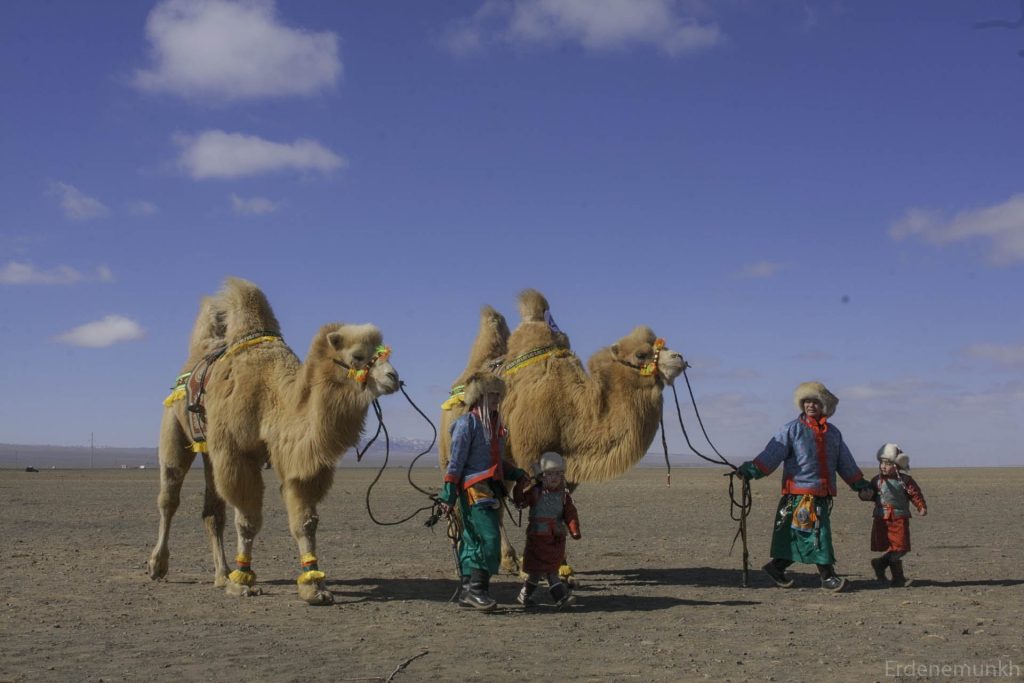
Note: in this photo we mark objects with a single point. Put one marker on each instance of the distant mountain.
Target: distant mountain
(19, 456)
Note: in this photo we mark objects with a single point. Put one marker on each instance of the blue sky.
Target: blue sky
(785, 190)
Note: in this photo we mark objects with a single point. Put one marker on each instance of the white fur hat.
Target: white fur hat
(891, 452)
(551, 462)
(817, 392)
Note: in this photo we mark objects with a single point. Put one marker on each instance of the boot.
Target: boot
(525, 597)
(879, 564)
(561, 595)
(898, 579)
(463, 591)
(476, 594)
(829, 580)
(776, 569)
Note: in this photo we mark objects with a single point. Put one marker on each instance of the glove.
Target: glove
(519, 490)
(747, 470)
(866, 494)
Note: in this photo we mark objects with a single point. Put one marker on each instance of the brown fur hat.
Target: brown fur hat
(817, 392)
(480, 384)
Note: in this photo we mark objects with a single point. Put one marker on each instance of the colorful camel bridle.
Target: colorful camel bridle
(648, 369)
(360, 375)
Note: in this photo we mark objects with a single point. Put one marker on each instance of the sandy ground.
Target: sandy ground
(659, 594)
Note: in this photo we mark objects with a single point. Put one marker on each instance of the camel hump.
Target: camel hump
(532, 306)
(208, 330)
(246, 310)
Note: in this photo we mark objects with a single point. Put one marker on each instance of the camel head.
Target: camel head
(358, 354)
(643, 350)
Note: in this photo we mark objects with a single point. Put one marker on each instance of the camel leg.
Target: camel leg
(240, 482)
(213, 519)
(300, 499)
(175, 460)
(509, 557)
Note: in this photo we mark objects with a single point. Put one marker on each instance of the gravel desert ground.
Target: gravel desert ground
(659, 595)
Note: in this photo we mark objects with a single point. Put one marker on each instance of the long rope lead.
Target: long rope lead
(739, 508)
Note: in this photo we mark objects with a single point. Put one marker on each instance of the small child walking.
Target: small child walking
(552, 514)
(893, 492)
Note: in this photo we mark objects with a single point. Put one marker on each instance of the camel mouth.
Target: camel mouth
(385, 380)
(670, 366)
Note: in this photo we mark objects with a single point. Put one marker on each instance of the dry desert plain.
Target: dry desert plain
(659, 595)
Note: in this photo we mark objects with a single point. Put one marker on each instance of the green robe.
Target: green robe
(797, 545)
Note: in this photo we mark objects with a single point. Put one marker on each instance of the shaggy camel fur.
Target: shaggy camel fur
(263, 403)
(602, 423)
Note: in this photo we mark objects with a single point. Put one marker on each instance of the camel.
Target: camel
(262, 404)
(602, 423)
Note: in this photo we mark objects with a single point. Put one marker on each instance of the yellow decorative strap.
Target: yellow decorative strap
(243, 575)
(535, 356)
(310, 572)
(246, 343)
(455, 397)
(200, 447)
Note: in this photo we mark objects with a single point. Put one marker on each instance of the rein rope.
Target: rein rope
(739, 508)
(435, 503)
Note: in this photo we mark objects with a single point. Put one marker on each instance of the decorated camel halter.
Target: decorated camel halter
(534, 356)
(192, 385)
(360, 375)
(648, 369)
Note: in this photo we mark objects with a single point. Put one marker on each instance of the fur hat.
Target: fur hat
(817, 392)
(551, 462)
(891, 452)
(480, 384)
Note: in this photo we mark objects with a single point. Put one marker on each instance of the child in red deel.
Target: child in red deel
(552, 516)
(893, 492)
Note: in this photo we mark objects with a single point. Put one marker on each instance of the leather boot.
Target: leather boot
(561, 595)
(476, 594)
(525, 597)
(879, 564)
(898, 579)
(463, 591)
(776, 569)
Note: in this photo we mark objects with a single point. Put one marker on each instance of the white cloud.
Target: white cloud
(252, 205)
(16, 273)
(1001, 354)
(234, 50)
(112, 329)
(1001, 224)
(217, 154)
(142, 208)
(77, 206)
(761, 269)
(595, 24)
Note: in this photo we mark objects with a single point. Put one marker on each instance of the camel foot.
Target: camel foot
(220, 580)
(241, 590)
(316, 593)
(158, 564)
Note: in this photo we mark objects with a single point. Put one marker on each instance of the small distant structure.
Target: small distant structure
(31, 469)
(142, 467)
